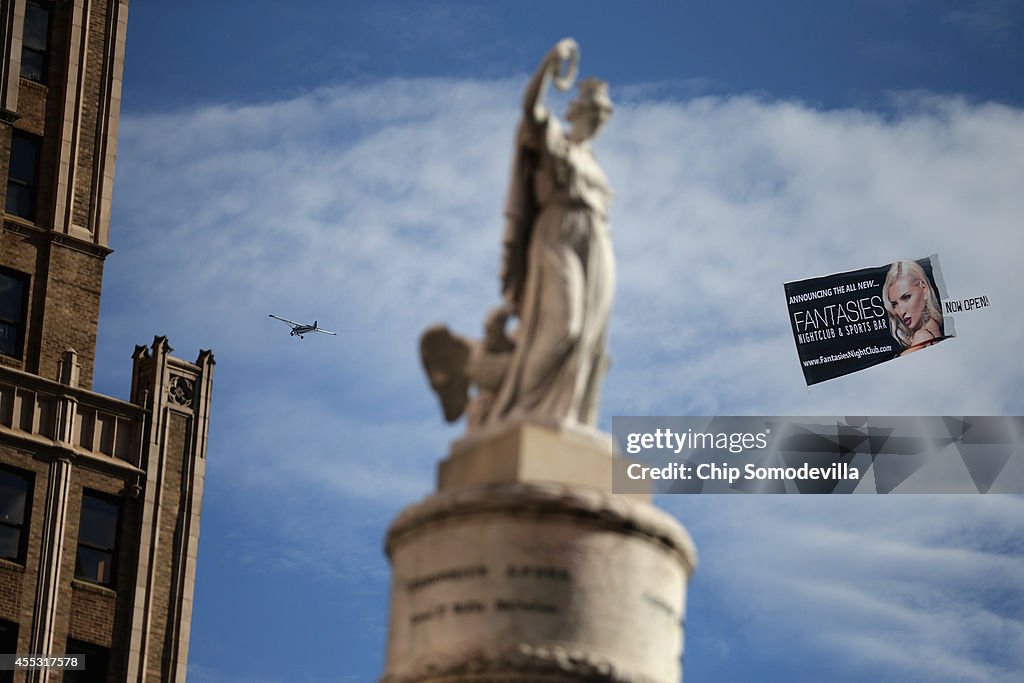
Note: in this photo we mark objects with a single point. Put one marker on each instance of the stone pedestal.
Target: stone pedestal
(530, 452)
(525, 568)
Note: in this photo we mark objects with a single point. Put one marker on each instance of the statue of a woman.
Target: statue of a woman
(558, 272)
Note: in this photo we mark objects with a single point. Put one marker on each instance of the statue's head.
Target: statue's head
(591, 108)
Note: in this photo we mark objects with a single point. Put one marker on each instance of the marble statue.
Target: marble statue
(557, 273)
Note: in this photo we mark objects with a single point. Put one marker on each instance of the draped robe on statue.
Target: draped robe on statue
(559, 275)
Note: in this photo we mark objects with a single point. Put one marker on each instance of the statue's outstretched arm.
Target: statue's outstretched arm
(559, 66)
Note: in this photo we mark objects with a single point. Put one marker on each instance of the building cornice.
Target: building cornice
(110, 404)
(57, 421)
(19, 226)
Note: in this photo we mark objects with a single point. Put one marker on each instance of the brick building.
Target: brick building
(99, 497)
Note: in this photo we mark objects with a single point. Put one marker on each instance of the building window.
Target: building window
(35, 42)
(23, 175)
(13, 303)
(15, 504)
(8, 645)
(97, 538)
(96, 662)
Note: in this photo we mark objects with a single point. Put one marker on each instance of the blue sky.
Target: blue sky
(347, 162)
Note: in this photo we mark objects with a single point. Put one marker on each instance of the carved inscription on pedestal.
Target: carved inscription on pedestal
(434, 612)
(458, 573)
(483, 573)
(661, 605)
(523, 571)
(518, 576)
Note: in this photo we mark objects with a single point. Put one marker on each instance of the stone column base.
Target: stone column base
(502, 577)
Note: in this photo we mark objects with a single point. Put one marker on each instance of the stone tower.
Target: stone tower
(99, 497)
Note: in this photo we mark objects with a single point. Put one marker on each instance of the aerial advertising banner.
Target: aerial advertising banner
(850, 321)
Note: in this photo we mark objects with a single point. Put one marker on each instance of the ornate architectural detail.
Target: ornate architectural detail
(180, 391)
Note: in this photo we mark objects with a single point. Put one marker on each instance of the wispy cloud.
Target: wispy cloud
(924, 588)
(999, 22)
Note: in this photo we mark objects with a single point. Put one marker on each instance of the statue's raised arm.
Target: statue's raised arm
(559, 67)
(558, 270)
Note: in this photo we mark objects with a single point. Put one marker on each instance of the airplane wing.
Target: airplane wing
(320, 329)
(285, 320)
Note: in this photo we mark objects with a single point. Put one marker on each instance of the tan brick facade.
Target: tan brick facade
(82, 452)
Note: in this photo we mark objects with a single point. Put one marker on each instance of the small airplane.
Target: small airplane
(300, 329)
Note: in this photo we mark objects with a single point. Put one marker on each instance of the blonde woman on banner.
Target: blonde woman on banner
(915, 315)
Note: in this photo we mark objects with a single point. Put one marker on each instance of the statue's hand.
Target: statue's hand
(566, 49)
(564, 58)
